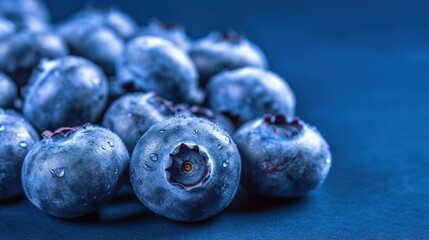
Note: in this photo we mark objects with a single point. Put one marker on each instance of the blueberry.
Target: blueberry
(224, 51)
(8, 91)
(185, 169)
(6, 27)
(133, 114)
(33, 8)
(120, 22)
(68, 91)
(170, 31)
(74, 171)
(17, 138)
(247, 93)
(281, 157)
(155, 64)
(202, 112)
(21, 52)
(91, 40)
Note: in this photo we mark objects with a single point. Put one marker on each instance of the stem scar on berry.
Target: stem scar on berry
(282, 125)
(188, 166)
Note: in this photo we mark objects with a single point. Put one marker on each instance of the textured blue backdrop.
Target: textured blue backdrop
(361, 75)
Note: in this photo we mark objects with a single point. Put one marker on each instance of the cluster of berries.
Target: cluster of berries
(185, 121)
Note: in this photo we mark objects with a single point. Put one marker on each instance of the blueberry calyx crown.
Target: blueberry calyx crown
(188, 166)
(282, 125)
(64, 131)
(161, 101)
(195, 110)
(230, 36)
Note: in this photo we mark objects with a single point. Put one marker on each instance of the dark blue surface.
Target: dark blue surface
(360, 72)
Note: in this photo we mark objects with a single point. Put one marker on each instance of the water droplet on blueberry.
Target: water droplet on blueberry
(58, 172)
(23, 144)
(110, 144)
(103, 147)
(225, 164)
(162, 130)
(140, 182)
(148, 168)
(219, 146)
(153, 157)
(195, 131)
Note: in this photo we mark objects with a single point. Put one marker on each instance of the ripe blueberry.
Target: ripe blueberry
(74, 171)
(24, 50)
(246, 93)
(155, 64)
(133, 114)
(170, 31)
(33, 8)
(8, 91)
(17, 138)
(185, 169)
(224, 51)
(6, 27)
(281, 157)
(68, 91)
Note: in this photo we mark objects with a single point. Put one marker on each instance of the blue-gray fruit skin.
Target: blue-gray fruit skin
(221, 51)
(94, 41)
(25, 50)
(282, 158)
(6, 27)
(133, 114)
(16, 8)
(17, 138)
(8, 91)
(74, 171)
(68, 91)
(170, 31)
(248, 93)
(196, 111)
(165, 181)
(155, 64)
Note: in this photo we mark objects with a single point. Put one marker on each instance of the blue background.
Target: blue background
(360, 71)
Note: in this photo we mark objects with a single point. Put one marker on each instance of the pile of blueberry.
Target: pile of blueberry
(198, 118)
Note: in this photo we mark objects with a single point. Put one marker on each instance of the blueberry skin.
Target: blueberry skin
(17, 138)
(170, 31)
(282, 158)
(68, 91)
(133, 114)
(247, 93)
(21, 52)
(34, 8)
(6, 27)
(8, 91)
(201, 112)
(73, 172)
(221, 51)
(155, 64)
(88, 38)
(169, 191)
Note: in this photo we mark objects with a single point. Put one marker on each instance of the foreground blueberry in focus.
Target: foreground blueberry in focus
(8, 91)
(225, 51)
(247, 93)
(281, 157)
(24, 50)
(17, 138)
(155, 64)
(74, 171)
(170, 31)
(68, 91)
(185, 169)
(133, 114)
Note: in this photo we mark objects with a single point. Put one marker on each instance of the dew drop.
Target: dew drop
(195, 131)
(103, 147)
(2, 127)
(219, 146)
(58, 172)
(225, 164)
(224, 186)
(149, 168)
(162, 130)
(110, 144)
(140, 182)
(23, 144)
(153, 157)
